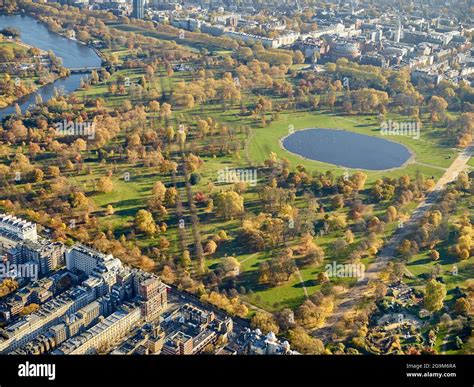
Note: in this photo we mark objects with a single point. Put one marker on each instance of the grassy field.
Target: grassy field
(430, 158)
(13, 45)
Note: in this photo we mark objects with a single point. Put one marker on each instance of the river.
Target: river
(72, 53)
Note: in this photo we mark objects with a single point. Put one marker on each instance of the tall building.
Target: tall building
(398, 32)
(138, 9)
(152, 294)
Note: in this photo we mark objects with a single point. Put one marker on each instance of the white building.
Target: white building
(277, 42)
(106, 332)
(18, 228)
(88, 261)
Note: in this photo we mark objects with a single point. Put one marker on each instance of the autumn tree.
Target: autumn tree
(105, 185)
(302, 342)
(145, 223)
(265, 322)
(435, 293)
(229, 204)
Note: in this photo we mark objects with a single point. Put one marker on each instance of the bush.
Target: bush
(195, 178)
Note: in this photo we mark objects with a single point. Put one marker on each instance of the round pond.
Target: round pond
(347, 149)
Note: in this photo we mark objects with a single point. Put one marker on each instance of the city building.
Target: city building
(178, 344)
(103, 334)
(138, 11)
(86, 260)
(14, 230)
(344, 49)
(45, 254)
(253, 342)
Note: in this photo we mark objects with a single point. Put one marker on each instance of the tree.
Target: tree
(170, 197)
(109, 210)
(194, 178)
(304, 343)
(358, 180)
(311, 315)
(435, 293)
(105, 185)
(159, 190)
(337, 221)
(298, 57)
(154, 106)
(265, 322)
(313, 254)
(185, 259)
(7, 286)
(434, 254)
(437, 107)
(29, 309)
(392, 214)
(38, 175)
(211, 247)
(462, 306)
(54, 171)
(349, 237)
(229, 204)
(337, 202)
(231, 265)
(331, 100)
(165, 110)
(145, 223)
(167, 275)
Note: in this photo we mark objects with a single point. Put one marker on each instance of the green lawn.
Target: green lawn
(426, 150)
(128, 197)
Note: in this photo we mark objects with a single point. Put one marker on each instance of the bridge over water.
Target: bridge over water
(83, 70)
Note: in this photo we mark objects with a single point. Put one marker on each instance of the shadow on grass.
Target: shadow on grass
(306, 283)
(421, 261)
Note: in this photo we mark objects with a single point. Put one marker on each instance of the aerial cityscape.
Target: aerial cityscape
(236, 177)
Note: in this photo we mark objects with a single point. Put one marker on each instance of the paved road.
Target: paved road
(355, 295)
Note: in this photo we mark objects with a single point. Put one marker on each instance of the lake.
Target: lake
(347, 149)
(72, 53)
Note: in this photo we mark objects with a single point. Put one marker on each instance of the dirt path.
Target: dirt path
(300, 277)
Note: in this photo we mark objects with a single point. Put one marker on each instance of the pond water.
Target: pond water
(347, 149)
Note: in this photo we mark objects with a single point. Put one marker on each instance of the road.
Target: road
(355, 295)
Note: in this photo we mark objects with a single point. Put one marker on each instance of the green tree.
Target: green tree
(435, 293)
